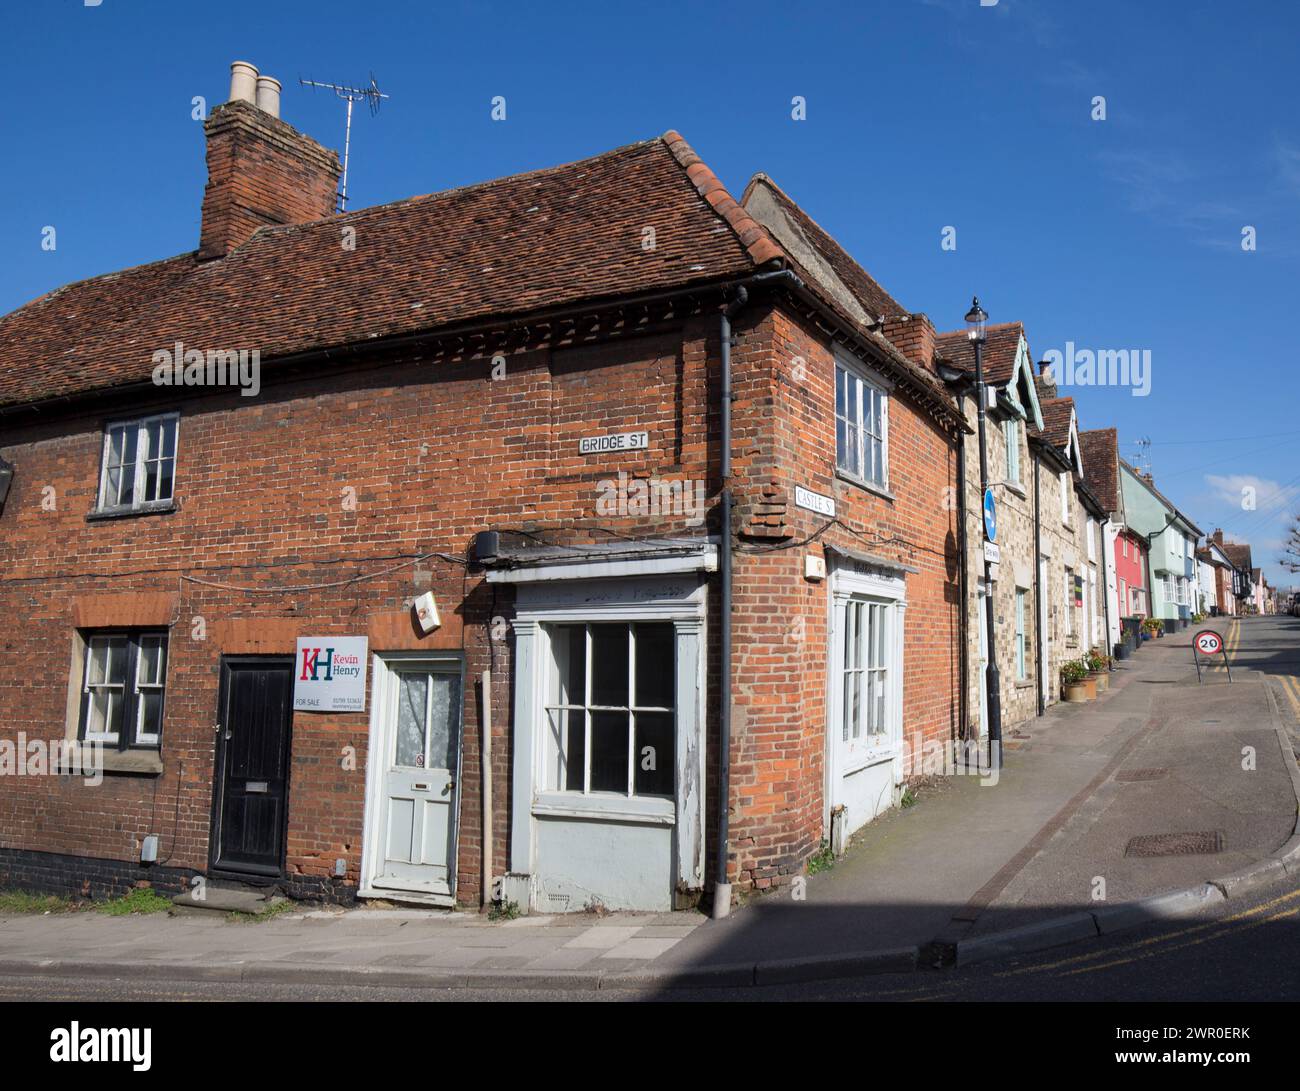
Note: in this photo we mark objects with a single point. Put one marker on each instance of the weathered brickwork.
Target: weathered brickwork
(780, 729)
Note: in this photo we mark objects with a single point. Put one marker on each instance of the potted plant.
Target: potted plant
(1151, 627)
(1098, 664)
(1073, 682)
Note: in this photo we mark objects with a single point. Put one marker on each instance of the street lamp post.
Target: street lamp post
(975, 322)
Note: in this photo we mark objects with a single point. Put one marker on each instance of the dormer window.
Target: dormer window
(1011, 436)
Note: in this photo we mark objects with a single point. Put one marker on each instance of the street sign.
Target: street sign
(1208, 642)
(990, 516)
(992, 552)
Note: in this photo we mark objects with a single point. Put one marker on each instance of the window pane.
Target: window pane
(575, 750)
(570, 645)
(412, 701)
(609, 666)
(656, 664)
(150, 716)
(444, 720)
(152, 662)
(655, 739)
(842, 445)
(609, 751)
(841, 392)
(150, 481)
(166, 474)
(852, 405)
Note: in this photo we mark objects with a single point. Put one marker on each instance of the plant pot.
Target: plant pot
(1090, 688)
(1145, 635)
(1123, 649)
(1101, 680)
(1076, 693)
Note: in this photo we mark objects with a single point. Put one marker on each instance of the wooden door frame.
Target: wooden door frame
(383, 672)
(218, 777)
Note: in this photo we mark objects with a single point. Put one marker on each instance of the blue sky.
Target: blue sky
(921, 115)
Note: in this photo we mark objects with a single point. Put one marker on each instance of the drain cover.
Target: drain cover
(1129, 775)
(1198, 843)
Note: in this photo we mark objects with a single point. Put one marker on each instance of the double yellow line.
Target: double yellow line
(1268, 913)
(1290, 685)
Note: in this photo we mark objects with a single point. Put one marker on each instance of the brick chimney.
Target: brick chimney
(1045, 381)
(913, 336)
(1217, 536)
(260, 170)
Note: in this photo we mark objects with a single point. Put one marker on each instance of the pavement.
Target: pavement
(973, 871)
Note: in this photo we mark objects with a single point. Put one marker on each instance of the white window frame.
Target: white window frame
(1065, 496)
(1092, 539)
(587, 708)
(862, 380)
(142, 457)
(1011, 439)
(1070, 629)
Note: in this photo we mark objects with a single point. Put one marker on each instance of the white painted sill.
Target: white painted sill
(645, 810)
(866, 486)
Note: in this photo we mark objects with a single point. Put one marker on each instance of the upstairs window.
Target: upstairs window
(861, 426)
(139, 464)
(1065, 497)
(1011, 436)
(123, 685)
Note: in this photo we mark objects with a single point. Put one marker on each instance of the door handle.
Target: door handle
(451, 786)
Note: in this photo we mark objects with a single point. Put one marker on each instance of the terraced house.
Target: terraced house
(574, 538)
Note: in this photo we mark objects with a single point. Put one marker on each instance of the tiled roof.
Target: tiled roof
(1236, 552)
(999, 353)
(839, 282)
(1100, 449)
(531, 241)
(874, 299)
(1056, 420)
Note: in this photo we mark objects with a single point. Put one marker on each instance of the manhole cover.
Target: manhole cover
(1129, 775)
(1199, 843)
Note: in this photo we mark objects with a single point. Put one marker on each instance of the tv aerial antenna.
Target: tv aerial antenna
(1144, 454)
(371, 95)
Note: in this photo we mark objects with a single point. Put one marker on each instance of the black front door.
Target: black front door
(252, 779)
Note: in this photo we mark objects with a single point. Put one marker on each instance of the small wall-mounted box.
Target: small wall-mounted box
(814, 567)
(149, 849)
(426, 612)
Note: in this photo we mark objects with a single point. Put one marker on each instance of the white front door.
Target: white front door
(865, 706)
(411, 778)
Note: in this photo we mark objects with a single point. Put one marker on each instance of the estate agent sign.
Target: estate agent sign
(330, 674)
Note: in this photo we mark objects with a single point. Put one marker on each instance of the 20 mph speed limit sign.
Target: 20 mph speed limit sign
(1209, 642)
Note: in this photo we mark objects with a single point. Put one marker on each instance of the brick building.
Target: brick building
(302, 429)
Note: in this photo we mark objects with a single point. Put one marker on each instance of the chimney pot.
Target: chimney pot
(243, 82)
(268, 95)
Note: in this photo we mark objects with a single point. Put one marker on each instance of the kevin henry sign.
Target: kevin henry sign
(330, 674)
